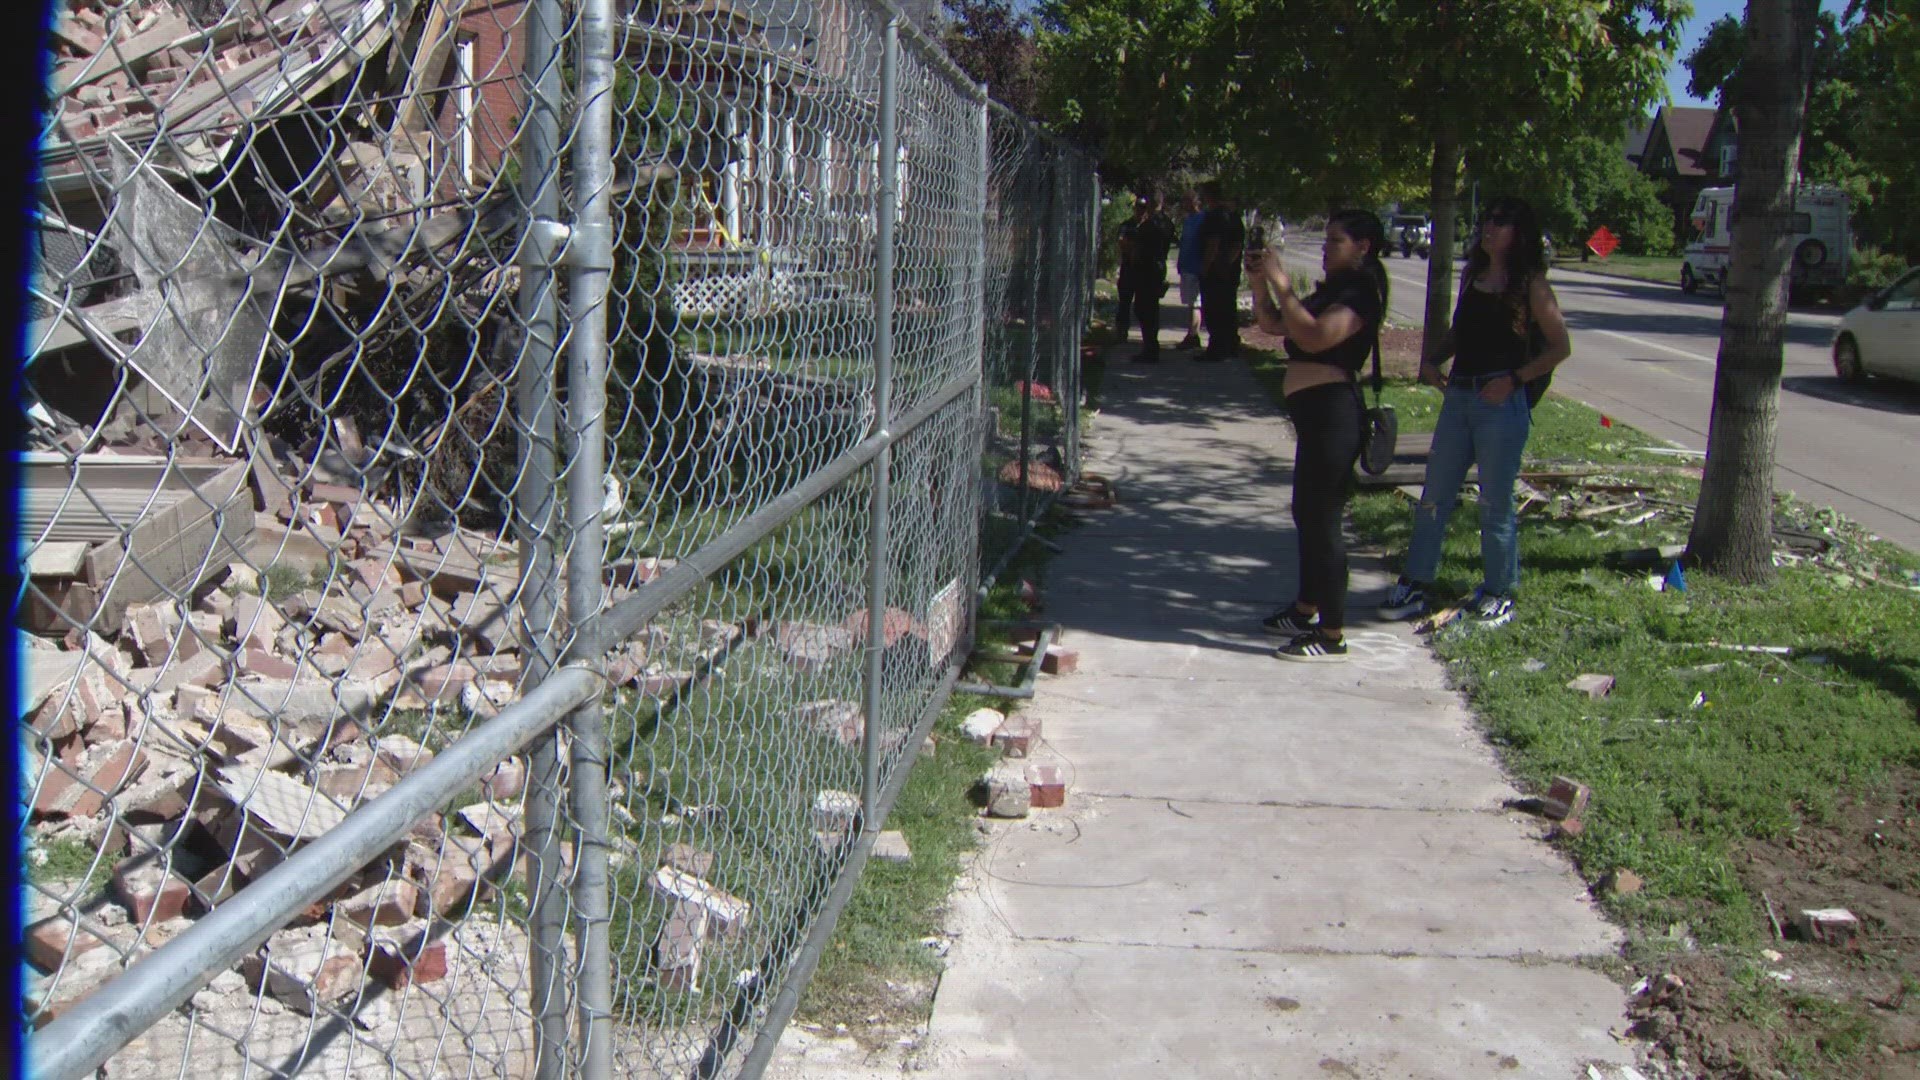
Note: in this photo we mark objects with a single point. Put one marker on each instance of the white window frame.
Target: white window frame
(463, 106)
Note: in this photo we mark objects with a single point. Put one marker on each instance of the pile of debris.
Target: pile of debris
(208, 69)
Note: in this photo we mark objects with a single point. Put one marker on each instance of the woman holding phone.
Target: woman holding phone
(1329, 335)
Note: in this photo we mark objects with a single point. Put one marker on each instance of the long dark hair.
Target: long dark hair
(1364, 225)
(1526, 256)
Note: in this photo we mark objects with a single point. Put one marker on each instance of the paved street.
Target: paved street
(1644, 354)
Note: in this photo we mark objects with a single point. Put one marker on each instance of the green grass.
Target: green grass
(897, 905)
(72, 860)
(876, 948)
(1677, 788)
(1661, 268)
(1698, 751)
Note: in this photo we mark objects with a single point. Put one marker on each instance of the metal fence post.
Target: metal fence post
(536, 517)
(1036, 259)
(984, 132)
(591, 258)
(877, 537)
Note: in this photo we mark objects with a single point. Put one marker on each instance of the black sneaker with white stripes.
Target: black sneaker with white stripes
(1312, 648)
(1288, 622)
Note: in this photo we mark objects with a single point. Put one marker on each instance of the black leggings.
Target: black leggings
(1326, 425)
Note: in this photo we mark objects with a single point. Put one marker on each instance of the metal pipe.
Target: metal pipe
(76, 1044)
(879, 553)
(587, 360)
(537, 525)
(1029, 671)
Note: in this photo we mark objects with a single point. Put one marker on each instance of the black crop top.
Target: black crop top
(1486, 341)
(1356, 291)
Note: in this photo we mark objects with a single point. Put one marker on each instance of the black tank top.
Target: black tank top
(1485, 339)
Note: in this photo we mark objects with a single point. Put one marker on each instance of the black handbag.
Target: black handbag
(1380, 428)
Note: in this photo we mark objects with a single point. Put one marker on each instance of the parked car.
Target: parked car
(1882, 335)
(1413, 234)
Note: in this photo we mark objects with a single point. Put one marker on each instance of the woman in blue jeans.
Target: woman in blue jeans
(1507, 333)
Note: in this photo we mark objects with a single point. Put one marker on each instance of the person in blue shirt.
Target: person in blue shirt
(1188, 267)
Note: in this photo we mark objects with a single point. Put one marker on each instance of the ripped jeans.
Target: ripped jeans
(1471, 432)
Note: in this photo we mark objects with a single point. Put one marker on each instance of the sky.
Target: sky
(1705, 12)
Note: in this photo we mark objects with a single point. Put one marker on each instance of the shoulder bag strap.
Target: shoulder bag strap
(1379, 380)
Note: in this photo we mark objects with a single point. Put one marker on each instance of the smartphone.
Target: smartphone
(1256, 233)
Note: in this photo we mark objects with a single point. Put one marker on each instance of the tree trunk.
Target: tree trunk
(1444, 198)
(1733, 523)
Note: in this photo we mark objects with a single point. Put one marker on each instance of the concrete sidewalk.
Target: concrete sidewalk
(1263, 869)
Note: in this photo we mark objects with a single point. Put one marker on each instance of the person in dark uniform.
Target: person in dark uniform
(1144, 243)
(1222, 238)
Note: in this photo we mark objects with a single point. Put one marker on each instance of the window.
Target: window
(1905, 294)
(1729, 157)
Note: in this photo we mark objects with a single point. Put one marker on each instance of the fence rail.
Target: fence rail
(509, 486)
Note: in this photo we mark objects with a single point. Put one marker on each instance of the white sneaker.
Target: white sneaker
(1489, 610)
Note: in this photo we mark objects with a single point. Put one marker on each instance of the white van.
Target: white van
(1822, 239)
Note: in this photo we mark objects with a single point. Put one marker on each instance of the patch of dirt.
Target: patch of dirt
(1399, 348)
(1839, 1012)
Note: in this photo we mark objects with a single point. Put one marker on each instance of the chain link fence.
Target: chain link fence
(505, 508)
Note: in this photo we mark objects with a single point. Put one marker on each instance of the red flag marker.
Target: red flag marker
(1605, 420)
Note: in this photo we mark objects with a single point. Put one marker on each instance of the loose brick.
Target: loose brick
(1565, 799)
(200, 634)
(1622, 882)
(842, 721)
(53, 943)
(150, 628)
(306, 968)
(507, 780)
(442, 682)
(1018, 736)
(725, 912)
(387, 903)
(1829, 926)
(99, 774)
(350, 785)
(1008, 795)
(205, 668)
(676, 952)
(151, 891)
(1571, 828)
(809, 647)
(663, 684)
(266, 664)
(1060, 660)
(406, 956)
(256, 623)
(981, 724)
(401, 754)
(1047, 786)
(836, 811)
(448, 880)
(688, 859)
(1594, 686)
(891, 846)
(895, 624)
(219, 604)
